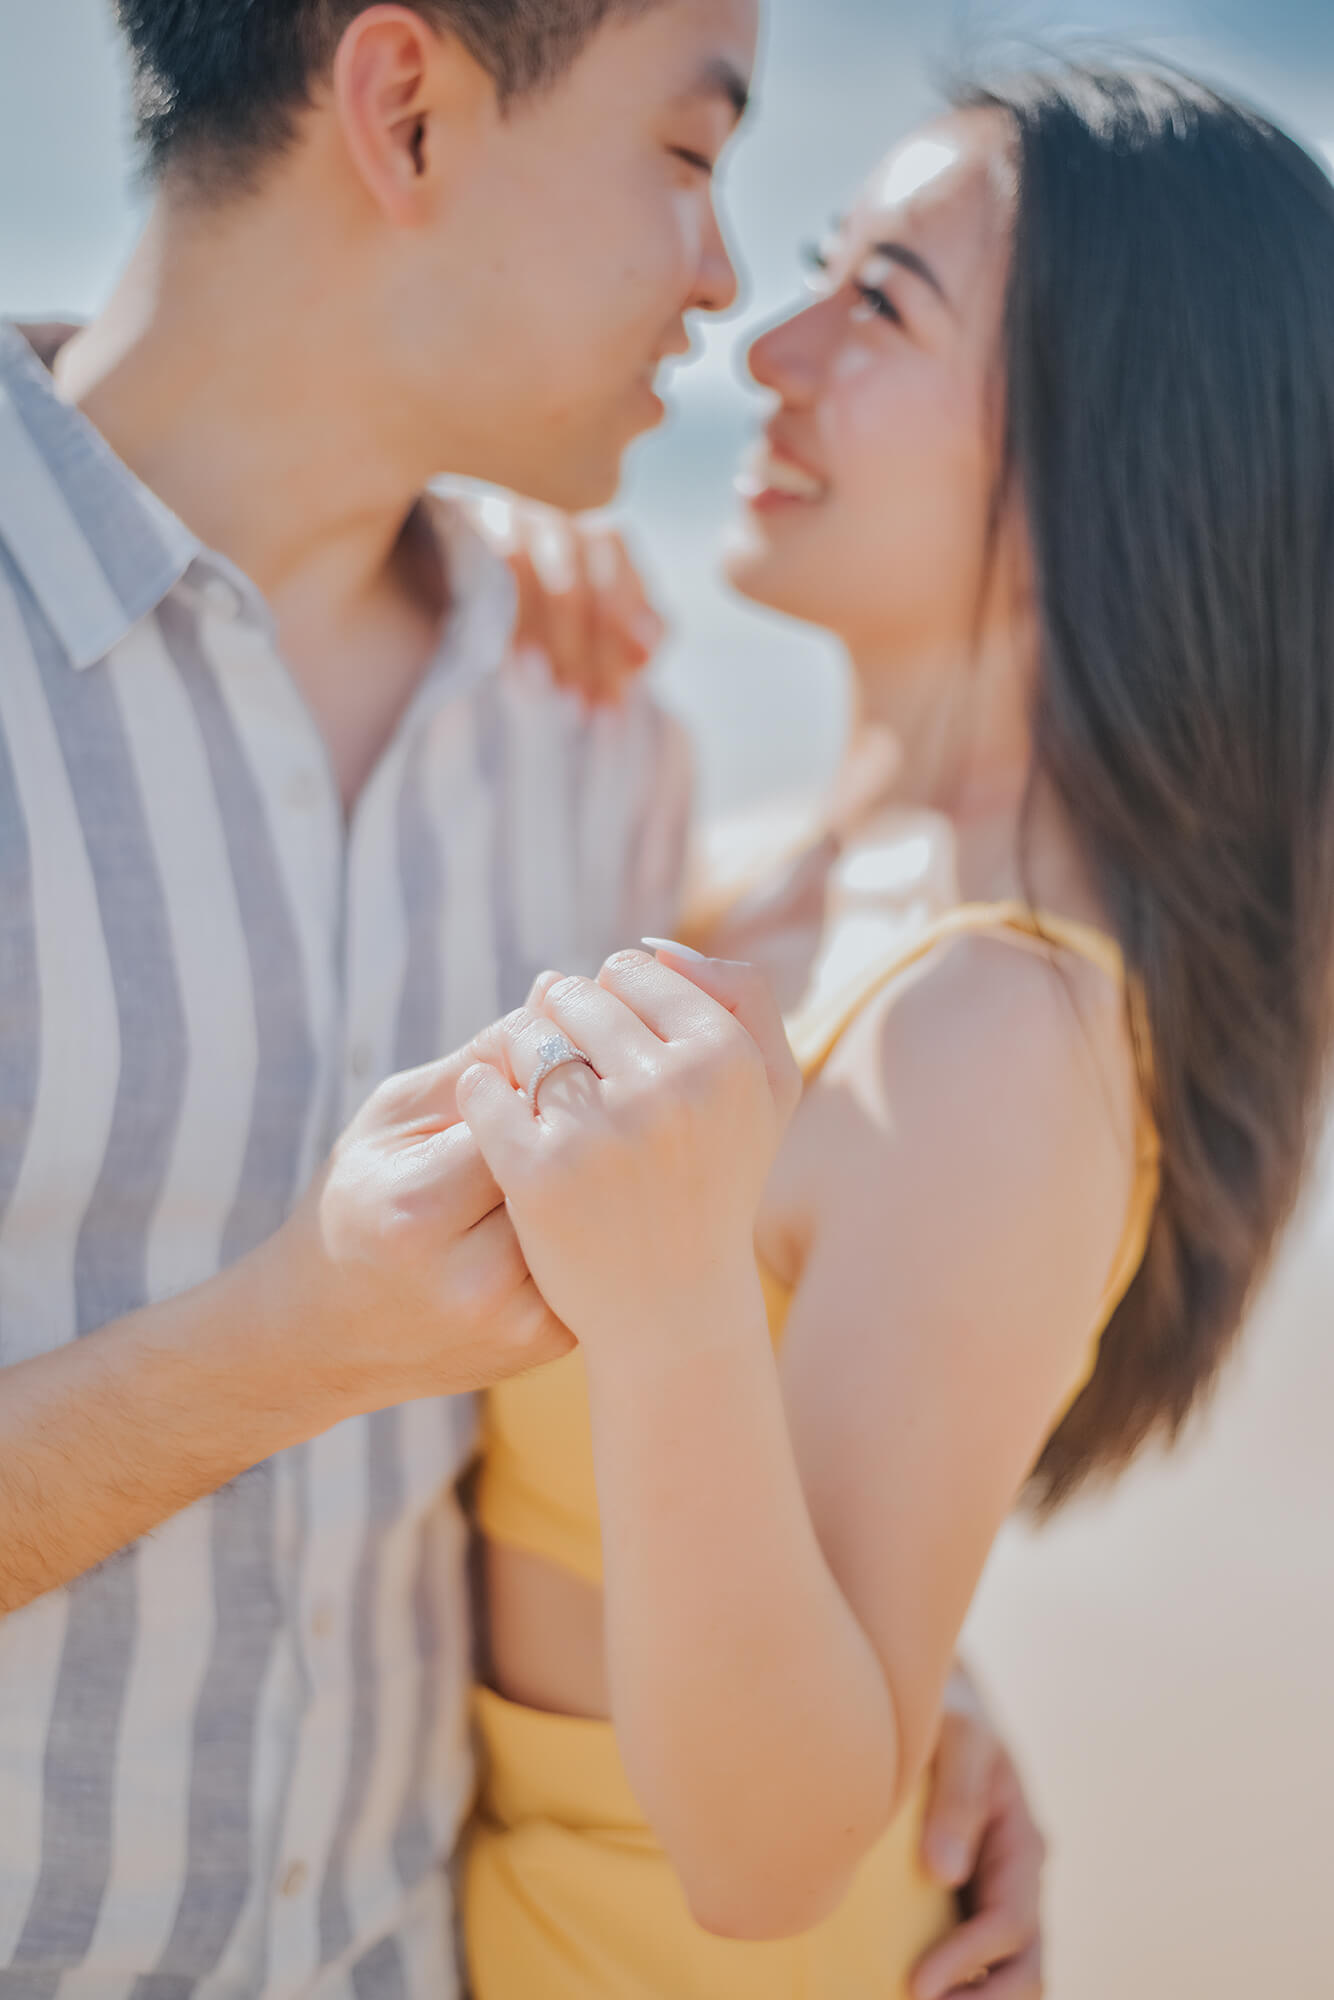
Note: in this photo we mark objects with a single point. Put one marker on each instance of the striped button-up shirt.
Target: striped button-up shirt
(233, 1760)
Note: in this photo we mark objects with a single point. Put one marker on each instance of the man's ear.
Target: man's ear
(411, 102)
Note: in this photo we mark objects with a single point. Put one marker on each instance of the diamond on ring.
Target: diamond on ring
(556, 1052)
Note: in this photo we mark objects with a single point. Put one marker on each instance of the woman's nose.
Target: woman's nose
(790, 358)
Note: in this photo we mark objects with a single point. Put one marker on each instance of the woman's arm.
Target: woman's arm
(753, 1715)
(785, 1584)
(971, 1158)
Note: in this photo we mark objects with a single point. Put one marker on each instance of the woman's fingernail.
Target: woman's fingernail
(552, 558)
(498, 518)
(648, 631)
(682, 951)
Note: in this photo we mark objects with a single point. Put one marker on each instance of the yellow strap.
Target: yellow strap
(816, 1031)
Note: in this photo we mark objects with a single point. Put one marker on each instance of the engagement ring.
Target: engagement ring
(556, 1052)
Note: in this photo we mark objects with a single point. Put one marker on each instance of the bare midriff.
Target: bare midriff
(546, 1634)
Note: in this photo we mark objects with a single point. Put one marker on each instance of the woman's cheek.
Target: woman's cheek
(852, 362)
(862, 427)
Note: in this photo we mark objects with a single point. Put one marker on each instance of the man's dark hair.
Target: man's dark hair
(222, 81)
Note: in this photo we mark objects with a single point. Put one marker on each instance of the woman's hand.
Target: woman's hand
(980, 1838)
(634, 1178)
(583, 604)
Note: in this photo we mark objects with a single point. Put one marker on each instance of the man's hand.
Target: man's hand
(582, 601)
(397, 1278)
(981, 1839)
(404, 1254)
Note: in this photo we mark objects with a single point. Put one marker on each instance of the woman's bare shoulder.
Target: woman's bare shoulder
(986, 1048)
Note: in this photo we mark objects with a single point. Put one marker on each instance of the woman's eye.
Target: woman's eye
(819, 266)
(872, 301)
(699, 161)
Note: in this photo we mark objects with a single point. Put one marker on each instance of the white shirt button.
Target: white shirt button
(360, 1060)
(295, 1877)
(221, 597)
(322, 1621)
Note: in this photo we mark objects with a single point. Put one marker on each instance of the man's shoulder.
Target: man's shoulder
(87, 549)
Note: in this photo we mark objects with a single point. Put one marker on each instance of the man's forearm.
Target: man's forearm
(398, 1277)
(103, 1440)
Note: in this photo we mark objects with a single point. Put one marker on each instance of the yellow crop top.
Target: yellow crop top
(536, 1490)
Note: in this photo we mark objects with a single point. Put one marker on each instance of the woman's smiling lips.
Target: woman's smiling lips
(773, 479)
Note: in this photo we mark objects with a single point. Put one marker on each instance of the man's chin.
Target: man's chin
(578, 473)
(575, 486)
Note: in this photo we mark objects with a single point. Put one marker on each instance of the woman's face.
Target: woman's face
(866, 510)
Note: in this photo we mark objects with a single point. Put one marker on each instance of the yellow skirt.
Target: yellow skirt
(567, 1895)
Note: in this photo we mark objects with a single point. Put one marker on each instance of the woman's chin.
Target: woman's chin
(744, 568)
(757, 570)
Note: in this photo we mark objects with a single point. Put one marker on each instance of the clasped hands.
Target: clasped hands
(460, 1232)
(456, 1235)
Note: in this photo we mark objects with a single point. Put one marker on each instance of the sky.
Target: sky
(840, 79)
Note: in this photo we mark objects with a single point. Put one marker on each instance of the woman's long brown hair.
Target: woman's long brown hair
(1169, 388)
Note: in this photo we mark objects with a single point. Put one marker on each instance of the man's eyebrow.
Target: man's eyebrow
(722, 78)
(899, 253)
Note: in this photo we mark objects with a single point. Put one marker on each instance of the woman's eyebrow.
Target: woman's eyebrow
(899, 253)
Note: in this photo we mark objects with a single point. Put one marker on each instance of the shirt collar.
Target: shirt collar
(96, 548)
(100, 551)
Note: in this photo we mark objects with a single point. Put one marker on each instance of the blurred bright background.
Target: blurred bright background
(1165, 1660)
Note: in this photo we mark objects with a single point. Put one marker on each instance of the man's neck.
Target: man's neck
(227, 375)
(246, 392)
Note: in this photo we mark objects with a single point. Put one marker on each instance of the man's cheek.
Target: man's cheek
(689, 220)
(689, 227)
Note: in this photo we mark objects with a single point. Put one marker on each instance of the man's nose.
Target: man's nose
(718, 286)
